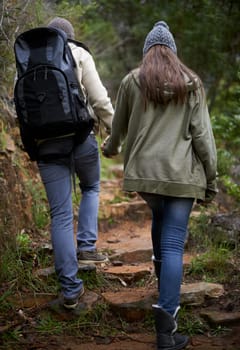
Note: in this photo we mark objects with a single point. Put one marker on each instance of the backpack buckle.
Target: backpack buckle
(41, 96)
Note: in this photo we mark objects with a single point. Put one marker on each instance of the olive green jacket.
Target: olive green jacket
(168, 150)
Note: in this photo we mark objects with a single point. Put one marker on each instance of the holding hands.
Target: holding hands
(103, 147)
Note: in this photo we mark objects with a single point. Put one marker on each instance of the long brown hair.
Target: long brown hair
(162, 77)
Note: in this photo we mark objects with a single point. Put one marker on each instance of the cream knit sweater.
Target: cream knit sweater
(98, 100)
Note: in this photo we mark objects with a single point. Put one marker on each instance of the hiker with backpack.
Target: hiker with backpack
(57, 86)
(169, 159)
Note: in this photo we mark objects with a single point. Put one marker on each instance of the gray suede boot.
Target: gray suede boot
(166, 326)
(157, 269)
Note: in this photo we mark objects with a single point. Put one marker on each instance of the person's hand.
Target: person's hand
(103, 148)
(104, 143)
(209, 196)
(105, 154)
(108, 152)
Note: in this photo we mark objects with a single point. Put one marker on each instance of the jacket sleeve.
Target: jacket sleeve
(203, 141)
(120, 123)
(97, 93)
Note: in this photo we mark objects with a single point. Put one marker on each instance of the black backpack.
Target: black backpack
(48, 98)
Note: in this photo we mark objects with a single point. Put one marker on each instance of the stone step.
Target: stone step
(132, 304)
(221, 318)
(194, 294)
(132, 209)
(129, 273)
(129, 270)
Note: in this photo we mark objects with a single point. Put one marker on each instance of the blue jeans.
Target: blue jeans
(57, 179)
(170, 216)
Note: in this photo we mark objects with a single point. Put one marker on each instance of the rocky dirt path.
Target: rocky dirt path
(129, 249)
(124, 234)
(127, 242)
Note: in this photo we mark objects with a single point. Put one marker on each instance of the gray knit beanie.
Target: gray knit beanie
(159, 35)
(64, 24)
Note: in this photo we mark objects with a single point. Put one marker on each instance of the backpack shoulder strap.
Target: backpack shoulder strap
(79, 44)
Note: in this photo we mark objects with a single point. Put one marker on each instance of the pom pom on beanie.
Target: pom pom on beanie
(159, 35)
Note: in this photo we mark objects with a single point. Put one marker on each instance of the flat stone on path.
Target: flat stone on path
(130, 273)
(221, 318)
(195, 293)
(134, 256)
(51, 270)
(132, 304)
(135, 210)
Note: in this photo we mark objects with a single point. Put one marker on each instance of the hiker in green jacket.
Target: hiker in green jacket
(169, 159)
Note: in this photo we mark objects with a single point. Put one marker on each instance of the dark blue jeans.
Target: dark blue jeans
(170, 216)
(57, 179)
